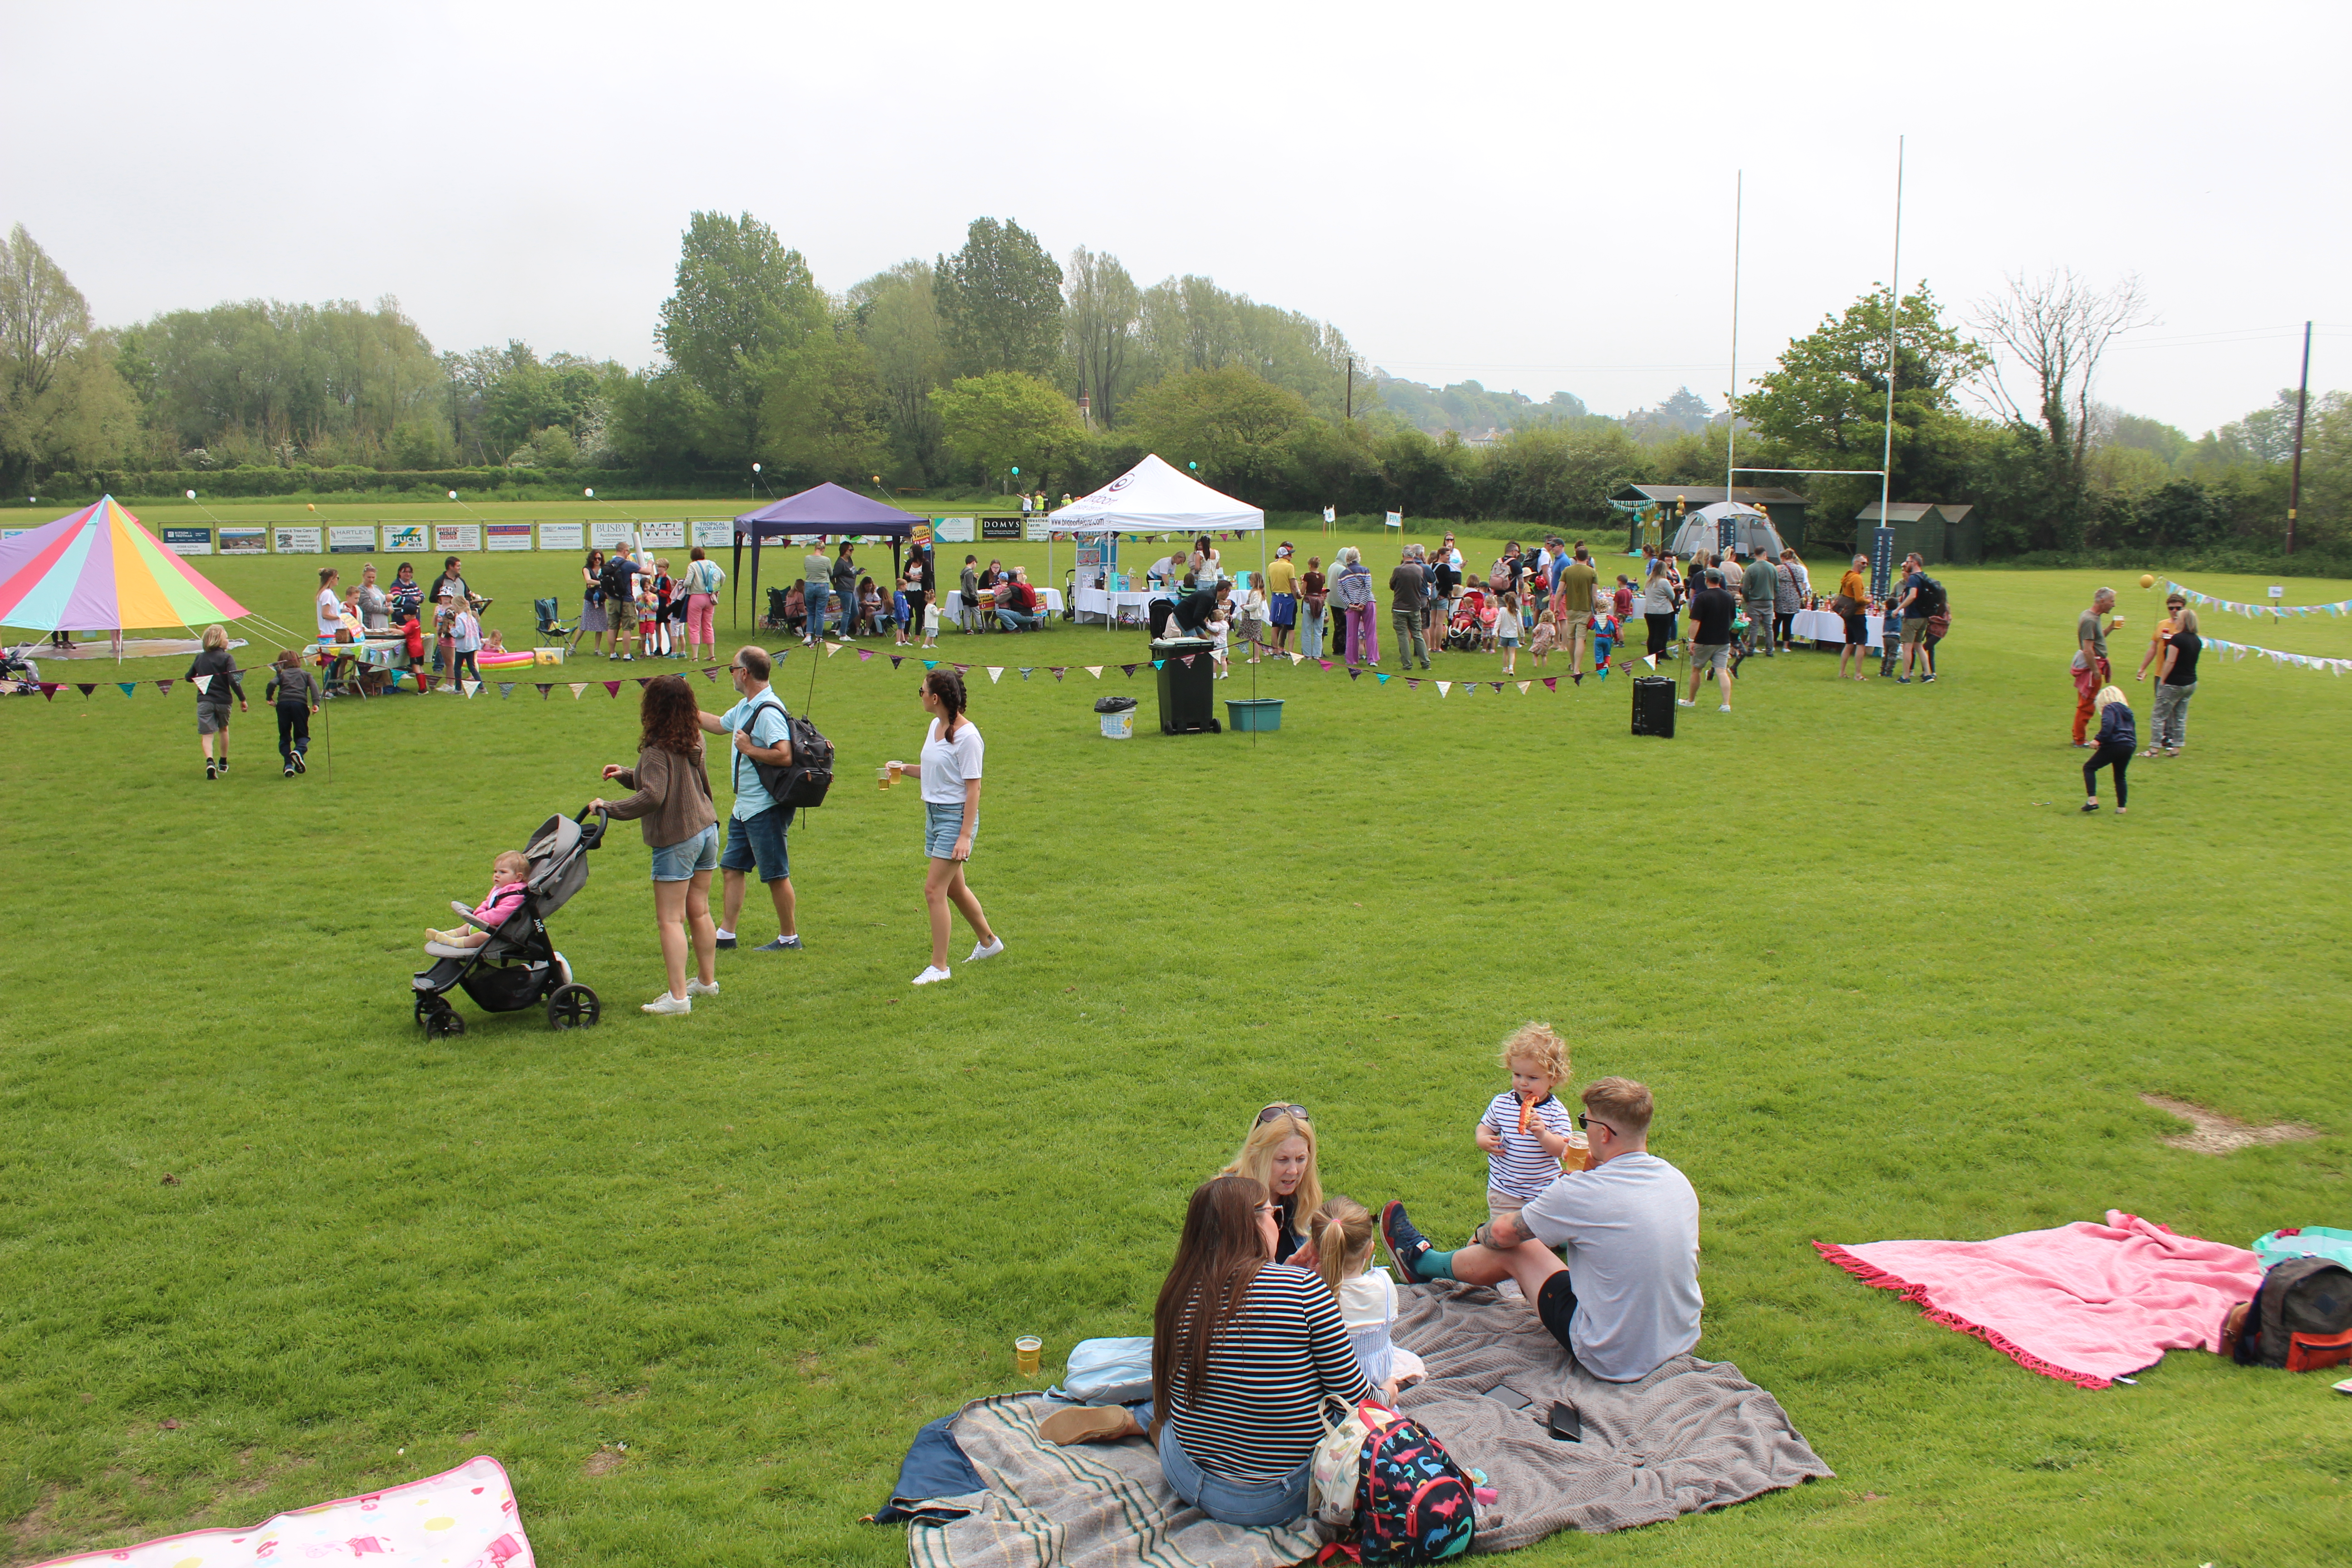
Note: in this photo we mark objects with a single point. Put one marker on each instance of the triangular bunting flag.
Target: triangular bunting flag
(1382, 675)
(1161, 663)
(995, 673)
(832, 648)
(897, 659)
(642, 679)
(474, 686)
(1096, 670)
(1025, 669)
(960, 668)
(1523, 687)
(1495, 684)
(709, 672)
(48, 691)
(544, 687)
(613, 687)
(1187, 659)
(130, 688)
(930, 664)
(866, 656)
(577, 687)
(1444, 687)
(1651, 659)
(1355, 674)
(506, 688)
(1296, 659)
(1326, 663)
(1551, 682)
(85, 688)
(1131, 670)
(1056, 671)
(164, 687)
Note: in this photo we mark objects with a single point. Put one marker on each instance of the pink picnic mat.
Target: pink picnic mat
(2083, 1303)
(463, 1518)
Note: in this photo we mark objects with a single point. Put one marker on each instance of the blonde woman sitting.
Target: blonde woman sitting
(1279, 1153)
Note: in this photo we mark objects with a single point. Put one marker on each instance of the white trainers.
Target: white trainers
(1725, 709)
(1685, 702)
(985, 950)
(931, 974)
(697, 988)
(667, 1005)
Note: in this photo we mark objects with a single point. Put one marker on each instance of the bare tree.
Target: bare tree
(2058, 325)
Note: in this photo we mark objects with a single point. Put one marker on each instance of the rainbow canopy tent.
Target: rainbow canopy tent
(99, 571)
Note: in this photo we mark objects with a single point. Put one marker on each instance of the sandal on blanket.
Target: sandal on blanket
(1087, 1424)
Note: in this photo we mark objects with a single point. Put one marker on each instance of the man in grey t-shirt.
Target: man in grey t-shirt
(1627, 1297)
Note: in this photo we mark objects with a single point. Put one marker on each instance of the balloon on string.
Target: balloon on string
(453, 495)
(192, 495)
(590, 492)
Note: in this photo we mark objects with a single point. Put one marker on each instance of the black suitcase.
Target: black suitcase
(1653, 706)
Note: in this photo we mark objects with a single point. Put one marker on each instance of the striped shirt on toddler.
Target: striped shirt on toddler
(1523, 1168)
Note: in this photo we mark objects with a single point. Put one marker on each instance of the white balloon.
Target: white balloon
(590, 494)
(453, 495)
(192, 495)
(755, 467)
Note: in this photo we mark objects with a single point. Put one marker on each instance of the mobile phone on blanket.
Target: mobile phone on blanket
(1564, 1424)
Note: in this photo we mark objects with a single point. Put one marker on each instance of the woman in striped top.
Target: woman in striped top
(1244, 1353)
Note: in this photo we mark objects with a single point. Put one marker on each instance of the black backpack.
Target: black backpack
(615, 580)
(802, 782)
(1931, 597)
(2301, 1318)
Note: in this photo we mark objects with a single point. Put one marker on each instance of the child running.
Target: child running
(1341, 1233)
(510, 881)
(295, 692)
(1526, 1129)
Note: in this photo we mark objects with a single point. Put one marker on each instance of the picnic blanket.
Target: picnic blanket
(1693, 1435)
(2083, 1304)
(463, 1518)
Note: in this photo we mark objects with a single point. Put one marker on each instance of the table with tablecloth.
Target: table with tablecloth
(1825, 626)
(1114, 604)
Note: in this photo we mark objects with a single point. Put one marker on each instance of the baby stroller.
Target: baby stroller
(519, 966)
(1465, 631)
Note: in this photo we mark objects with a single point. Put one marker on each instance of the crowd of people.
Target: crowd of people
(2173, 650)
(1274, 1306)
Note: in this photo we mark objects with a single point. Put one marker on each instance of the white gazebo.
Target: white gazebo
(1153, 497)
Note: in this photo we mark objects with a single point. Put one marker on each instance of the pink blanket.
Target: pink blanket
(2085, 1303)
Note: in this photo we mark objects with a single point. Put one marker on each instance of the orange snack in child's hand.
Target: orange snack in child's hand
(1527, 1110)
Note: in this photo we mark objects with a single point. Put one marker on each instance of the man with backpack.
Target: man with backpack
(618, 580)
(760, 733)
(1919, 598)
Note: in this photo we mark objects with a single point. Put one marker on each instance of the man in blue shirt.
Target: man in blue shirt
(760, 732)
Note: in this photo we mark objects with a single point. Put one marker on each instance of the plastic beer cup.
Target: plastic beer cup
(1025, 1352)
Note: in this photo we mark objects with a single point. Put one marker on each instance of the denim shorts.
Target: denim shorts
(678, 862)
(941, 826)
(757, 840)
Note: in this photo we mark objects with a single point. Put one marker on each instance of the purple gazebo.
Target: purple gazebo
(827, 510)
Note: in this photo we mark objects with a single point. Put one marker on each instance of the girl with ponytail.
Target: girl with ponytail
(1341, 1233)
(949, 772)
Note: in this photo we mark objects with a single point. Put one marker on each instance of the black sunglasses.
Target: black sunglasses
(1271, 1112)
(1585, 1124)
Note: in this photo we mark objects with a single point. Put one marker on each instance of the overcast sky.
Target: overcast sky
(1538, 195)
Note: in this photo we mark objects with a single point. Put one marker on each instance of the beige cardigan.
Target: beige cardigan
(672, 798)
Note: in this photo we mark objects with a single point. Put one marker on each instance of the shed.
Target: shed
(1918, 525)
(1963, 533)
(1785, 507)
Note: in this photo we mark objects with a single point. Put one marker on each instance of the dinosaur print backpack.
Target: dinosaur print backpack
(1413, 1504)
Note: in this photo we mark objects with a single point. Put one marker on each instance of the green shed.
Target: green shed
(1918, 525)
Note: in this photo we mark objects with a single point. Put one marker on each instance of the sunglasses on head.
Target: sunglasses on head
(1271, 1112)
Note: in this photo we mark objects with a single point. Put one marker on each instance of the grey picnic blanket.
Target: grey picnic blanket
(1693, 1435)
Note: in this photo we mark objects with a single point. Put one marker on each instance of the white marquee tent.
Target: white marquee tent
(1752, 531)
(1153, 497)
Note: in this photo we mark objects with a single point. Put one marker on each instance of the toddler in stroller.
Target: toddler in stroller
(509, 882)
(1468, 628)
(507, 961)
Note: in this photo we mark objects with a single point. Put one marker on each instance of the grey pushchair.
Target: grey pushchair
(519, 967)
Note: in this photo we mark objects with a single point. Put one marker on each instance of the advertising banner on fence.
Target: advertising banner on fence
(563, 536)
(999, 528)
(297, 541)
(188, 541)
(952, 529)
(612, 535)
(711, 532)
(355, 539)
(456, 538)
(406, 539)
(509, 536)
(662, 536)
(1036, 529)
(245, 541)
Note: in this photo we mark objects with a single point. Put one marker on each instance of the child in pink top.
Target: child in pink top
(510, 881)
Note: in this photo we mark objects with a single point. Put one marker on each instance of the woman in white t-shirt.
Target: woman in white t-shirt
(331, 606)
(951, 778)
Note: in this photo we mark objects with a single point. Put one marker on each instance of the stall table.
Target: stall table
(1111, 604)
(1825, 627)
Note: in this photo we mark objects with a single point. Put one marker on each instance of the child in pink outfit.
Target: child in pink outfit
(510, 881)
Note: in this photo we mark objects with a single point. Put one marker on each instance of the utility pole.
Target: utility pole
(2294, 472)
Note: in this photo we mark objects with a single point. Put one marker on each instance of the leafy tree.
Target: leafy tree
(63, 404)
(1000, 299)
(1190, 324)
(1465, 406)
(741, 299)
(997, 422)
(1237, 426)
(823, 408)
(656, 419)
(1100, 328)
(897, 315)
(1823, 406)
(1560, 475)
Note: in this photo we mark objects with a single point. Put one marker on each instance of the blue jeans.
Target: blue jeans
(817, 594)
(1020, 622)
(1222, 1498)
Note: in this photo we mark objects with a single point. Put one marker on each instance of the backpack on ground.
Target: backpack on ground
(2301, 1318)
(1413, 1502)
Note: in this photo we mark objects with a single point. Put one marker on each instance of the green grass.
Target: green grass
(1883, 978)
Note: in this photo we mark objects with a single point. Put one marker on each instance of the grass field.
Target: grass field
(696, 1281)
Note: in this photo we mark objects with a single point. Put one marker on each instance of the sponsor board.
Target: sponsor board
(406, 539)
(952, 529)
(188, 541)
(245, 541)
(297, 541)
(358, 539)
(710, 532)
(563, 536)
(921, 536)
(457, 538)
(662, 536)
(1000, 527)
(612, 535)
(1038, 530)
(509, 536)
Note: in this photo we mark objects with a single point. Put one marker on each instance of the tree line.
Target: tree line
(948, 373)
